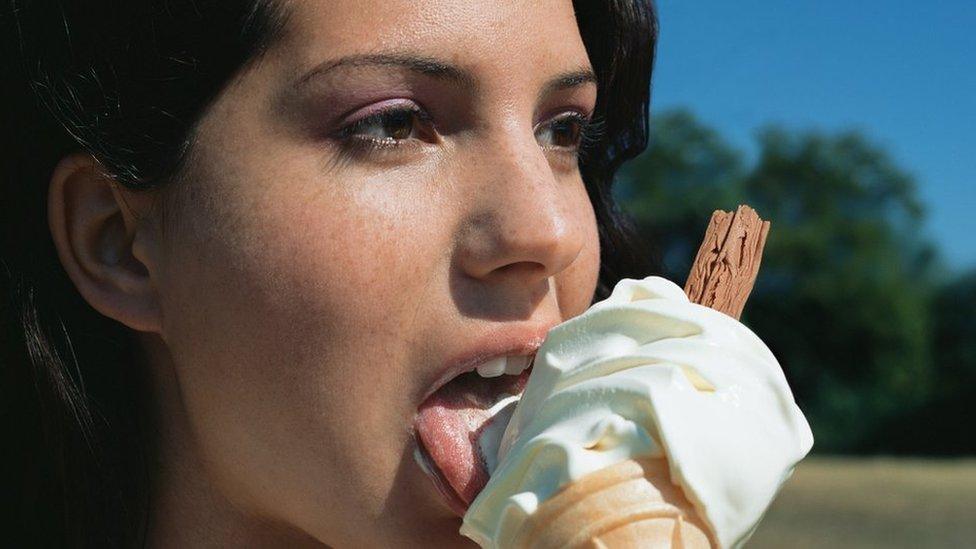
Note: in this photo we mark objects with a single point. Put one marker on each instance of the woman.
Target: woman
(244, 240)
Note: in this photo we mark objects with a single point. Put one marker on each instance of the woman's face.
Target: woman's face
(324, 263)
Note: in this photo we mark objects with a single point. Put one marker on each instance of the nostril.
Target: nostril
(524, 270)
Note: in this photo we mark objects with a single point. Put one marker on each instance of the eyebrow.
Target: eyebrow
(438, 69)
(567, 80)
(415, 63)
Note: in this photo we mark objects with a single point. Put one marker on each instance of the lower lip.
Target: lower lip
(430, 468)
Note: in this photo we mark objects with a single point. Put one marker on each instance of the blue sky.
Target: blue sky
(902, 72)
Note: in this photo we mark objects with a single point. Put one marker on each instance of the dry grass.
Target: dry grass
(873, 503)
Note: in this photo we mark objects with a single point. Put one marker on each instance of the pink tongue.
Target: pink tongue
(451, 420)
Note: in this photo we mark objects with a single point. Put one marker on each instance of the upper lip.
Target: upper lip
(519, 341)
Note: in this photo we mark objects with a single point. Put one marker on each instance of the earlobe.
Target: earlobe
(94, 231)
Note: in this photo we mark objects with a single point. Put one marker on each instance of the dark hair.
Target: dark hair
(127, 82)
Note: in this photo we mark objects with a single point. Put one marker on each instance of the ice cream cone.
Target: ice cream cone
(649, 371)
(631, 504)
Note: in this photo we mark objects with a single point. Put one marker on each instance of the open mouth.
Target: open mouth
(456, 424)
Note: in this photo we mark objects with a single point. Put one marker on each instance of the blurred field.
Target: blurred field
(868, 503)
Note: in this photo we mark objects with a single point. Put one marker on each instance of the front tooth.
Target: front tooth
(515, 365)
(493, 368)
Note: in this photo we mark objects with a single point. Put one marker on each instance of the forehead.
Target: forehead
(488, 38)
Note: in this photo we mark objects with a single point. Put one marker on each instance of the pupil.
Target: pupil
(399, 125)
(566, 133)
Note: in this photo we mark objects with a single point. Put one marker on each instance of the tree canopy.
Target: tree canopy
(848, 295)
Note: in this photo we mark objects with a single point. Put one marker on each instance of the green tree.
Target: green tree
(847, 282)
(842, 297)
(943, 424)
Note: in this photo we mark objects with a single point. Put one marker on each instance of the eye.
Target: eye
(389, 127)
(562, 132)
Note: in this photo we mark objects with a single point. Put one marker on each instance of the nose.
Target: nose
(522, 225)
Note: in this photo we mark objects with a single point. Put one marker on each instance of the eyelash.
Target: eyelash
(353, 141)
(589, 132)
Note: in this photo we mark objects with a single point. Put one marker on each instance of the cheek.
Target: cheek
(296, 264)
(282, 319)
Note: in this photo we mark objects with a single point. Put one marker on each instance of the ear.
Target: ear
(107, 247)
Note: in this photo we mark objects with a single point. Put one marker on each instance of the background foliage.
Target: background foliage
(876, 337)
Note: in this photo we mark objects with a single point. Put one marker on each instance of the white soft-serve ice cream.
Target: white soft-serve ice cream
(646, 373)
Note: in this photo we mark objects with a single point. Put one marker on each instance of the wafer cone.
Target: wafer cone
(630, 504)
(633, 504)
